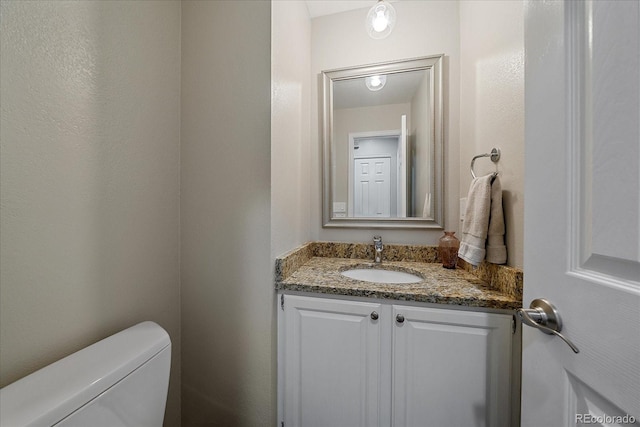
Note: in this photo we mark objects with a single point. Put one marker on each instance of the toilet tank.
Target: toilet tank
(120, 381)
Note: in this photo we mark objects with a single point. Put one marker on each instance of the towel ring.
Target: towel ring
(494, 155)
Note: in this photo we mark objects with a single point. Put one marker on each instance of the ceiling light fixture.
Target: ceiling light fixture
(375, 83)
(380, 20)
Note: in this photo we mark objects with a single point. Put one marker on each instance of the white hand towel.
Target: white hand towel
(476, 221)
(483, 217)
(496, 249)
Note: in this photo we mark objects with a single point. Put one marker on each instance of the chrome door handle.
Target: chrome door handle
(374, 315)
(543, 315)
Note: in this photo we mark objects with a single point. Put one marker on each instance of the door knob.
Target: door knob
(543, 315)
(374, 315)
(400, 318)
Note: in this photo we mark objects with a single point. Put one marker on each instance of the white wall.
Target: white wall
(492, 104)
(228, 297)
(423, 28)
(290, 126)
(89, 178)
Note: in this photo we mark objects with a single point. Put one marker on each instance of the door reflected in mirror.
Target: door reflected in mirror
(383, 145)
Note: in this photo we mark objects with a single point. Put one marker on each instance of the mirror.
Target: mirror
(383, 145)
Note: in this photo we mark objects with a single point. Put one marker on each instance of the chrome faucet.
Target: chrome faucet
(378, 247)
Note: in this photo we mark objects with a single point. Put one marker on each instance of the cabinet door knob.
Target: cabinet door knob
(400, 318)
(374, 315)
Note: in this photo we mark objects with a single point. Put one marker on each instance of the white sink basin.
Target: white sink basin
(381, 276)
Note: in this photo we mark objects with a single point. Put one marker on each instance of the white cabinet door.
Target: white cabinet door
(450, 368)
(331, 363)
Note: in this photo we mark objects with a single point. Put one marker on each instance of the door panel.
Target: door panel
(466, 354)
(373, 187)
(582, 213)
(605, 109)
(331, 363)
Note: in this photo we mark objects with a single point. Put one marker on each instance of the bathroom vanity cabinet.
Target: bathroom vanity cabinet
(371, 363)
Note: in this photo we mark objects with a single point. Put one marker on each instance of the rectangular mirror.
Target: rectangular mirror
(383, 145)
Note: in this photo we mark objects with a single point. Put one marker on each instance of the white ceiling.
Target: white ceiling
(400, 89)
(329, 7)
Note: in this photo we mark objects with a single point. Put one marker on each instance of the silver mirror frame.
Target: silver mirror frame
(432, 63)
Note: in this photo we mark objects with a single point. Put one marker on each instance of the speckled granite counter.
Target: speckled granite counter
(316, 267)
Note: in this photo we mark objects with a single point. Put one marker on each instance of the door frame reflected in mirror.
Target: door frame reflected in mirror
(433, 64)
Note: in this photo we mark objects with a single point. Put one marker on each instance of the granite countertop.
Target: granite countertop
(322, 274)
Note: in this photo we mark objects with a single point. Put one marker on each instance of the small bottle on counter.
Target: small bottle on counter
(448, 246)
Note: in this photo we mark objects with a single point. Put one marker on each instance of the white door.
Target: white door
(331, 362)
(582, 211)
(451, 368)
(403, 177)
(372, 192)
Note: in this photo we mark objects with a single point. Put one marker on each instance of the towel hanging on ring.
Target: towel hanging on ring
(483, 227)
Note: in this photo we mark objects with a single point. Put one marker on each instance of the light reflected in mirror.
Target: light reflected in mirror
(382, 131)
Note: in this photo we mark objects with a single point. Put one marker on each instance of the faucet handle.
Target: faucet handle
(377, 247)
